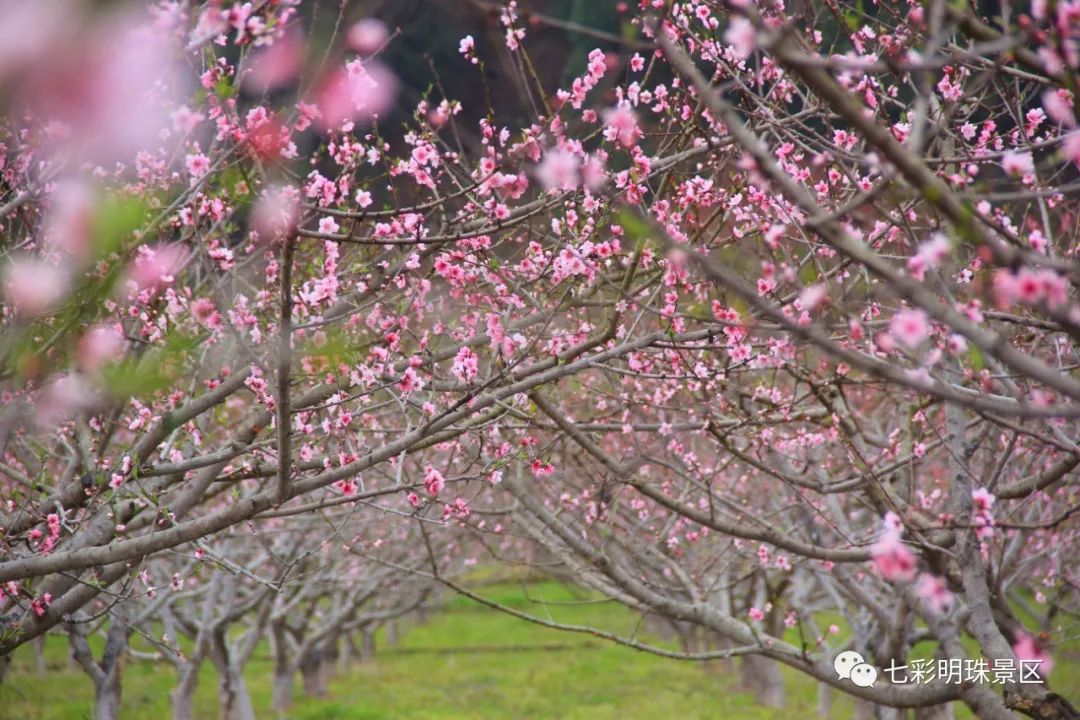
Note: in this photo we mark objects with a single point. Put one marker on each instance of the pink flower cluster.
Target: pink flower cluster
(892, 559)
(1027, 648)
(434, 482)
(1030, 287)
(982, 503)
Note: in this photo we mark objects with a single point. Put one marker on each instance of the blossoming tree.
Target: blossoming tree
(769, 313)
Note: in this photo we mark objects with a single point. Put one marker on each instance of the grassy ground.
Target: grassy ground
(429, 676)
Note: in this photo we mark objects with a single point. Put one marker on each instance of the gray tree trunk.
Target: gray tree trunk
(864, 710)
(40, 666)
(311, 674)
(105, 673)
(183, 695)
(234, 700)
(935, 712)
(824, 700)
(233, 696)
(345, 658)
(282, 691)
(283, 679)
(367, 644)
(762, 676)
(107, 696)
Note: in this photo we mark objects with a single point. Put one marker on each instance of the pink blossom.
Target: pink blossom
(363, 198)
(467, 47)
(205, 313)
(559, 170)
(434, 482)
(1029, 287)
(934, 592)
(41, 605)
(930, 255)
(810, 298)
(465, 365)
(909, 328)
(367, 36)
(111, 82)
(98, 346)
(741, 36)
(328, 225)
(275, 66)
(1028, 649)
(33, 286)
(1070, 147)
(891, 558)
(70, 218)
(361, 92)
(275, 213)
(957, 344)
(621, 125)
(197, 165)
(1017, 164)
(756, 614)
(982, 500)
(64, 396)
(1058, 106)
(156, 266)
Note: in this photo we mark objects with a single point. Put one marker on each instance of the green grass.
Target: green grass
(429, 676)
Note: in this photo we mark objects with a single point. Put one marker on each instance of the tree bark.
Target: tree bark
(864, 710)
(284, 674)
(824, 699)
(105, 673)
(345, 658)
(107, 696)
(282, 691)
(934, 712)
(311, 673)
(762, 676)
(234, 701)
(233, 696)
(183, 695)
(1050, 706)
(367, 644)
(40, 666)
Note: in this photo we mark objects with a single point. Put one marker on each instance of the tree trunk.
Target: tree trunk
(345, 657)
(183, 695)
(824, 700)
(234, 701)
(282, 691)
(934, 712)
(233, 696)
(40, 666)
(311, 673)
(106, 673)
(330, 657)
(762, 676)
(367, 644)
(284, 674)
(864, 710)
(107, 695)
(392, 633)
